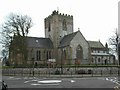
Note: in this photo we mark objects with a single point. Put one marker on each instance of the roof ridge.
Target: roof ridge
(38, 37)
(71, 34)
(95, 44)
(92, 41)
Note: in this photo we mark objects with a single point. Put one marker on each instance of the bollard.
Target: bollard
(39, 73)
(92, 73)
(71, 73)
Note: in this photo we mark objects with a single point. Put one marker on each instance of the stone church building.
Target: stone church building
(63, 46)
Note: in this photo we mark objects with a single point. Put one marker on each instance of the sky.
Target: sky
(97, 19)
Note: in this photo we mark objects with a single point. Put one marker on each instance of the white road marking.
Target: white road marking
(36, 82)
(11, 77)
(72, 81)
(17, 78)
(25, 77)
(30, 81)
(50, 81)
(44, 84)
(107, 79)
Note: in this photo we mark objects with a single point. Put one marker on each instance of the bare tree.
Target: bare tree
(15, 25)
(14, 32)
(113, 41)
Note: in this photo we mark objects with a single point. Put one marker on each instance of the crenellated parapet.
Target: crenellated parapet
(60, 14)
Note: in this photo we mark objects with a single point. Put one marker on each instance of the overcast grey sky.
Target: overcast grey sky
(97, 19)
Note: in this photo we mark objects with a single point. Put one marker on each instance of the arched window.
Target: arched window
(98, 59)
(64, 54)
(48, 55)
(38, 55)
(105, 61)
(92, 60)
(49, 27)
(79, 52)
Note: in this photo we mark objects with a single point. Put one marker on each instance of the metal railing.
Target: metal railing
(56, 72)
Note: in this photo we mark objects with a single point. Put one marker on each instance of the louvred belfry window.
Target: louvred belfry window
(64, 25)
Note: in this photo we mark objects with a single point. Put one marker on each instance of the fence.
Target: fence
(58, 72)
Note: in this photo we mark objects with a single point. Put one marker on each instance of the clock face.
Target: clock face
(64, 25)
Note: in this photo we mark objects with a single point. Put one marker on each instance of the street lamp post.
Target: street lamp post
(32, 54)
(119, 54)
(33, 67)
(118, 61)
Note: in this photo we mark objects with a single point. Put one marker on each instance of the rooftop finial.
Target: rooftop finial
(106, 45)
(99, 40)
(78, 29)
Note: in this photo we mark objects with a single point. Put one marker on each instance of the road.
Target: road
(40, 82)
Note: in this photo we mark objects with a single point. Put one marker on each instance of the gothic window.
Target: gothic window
(92, 59)
(44, 54)
(105, 61)
(64, 54)
(49, 27)
(79, 52)
(64, 25)
(98, 59)
(47, 55)
(38, 55)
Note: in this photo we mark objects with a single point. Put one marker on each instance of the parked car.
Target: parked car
(90, 71)
(80, 72)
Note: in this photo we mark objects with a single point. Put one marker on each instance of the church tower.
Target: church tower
(58, 25)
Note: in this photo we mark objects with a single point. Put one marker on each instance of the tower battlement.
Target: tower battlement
(60, 14)
(57, 13)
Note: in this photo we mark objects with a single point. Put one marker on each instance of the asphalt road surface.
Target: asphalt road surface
(40, 82)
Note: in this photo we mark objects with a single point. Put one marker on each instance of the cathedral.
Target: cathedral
(62, 45)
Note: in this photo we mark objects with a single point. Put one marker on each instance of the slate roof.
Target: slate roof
(95, 44)
(65, 41)
(39, 42)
